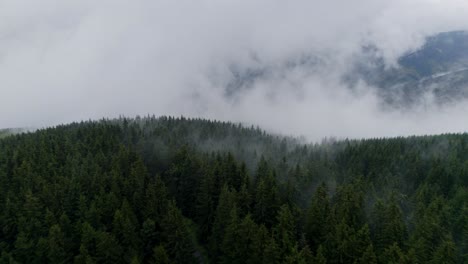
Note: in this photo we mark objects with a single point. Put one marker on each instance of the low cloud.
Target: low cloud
(62, 61)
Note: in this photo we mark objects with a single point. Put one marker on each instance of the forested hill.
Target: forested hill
(8, 131)
(176, 190)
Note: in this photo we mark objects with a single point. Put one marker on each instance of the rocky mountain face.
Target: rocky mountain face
(437, 72)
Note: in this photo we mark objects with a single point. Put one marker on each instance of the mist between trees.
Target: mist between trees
(178, 190)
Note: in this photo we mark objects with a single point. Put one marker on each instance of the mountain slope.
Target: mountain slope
(438, 72)
(197, 191)
(10, 131)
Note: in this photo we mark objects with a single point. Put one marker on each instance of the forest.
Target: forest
(180, 190)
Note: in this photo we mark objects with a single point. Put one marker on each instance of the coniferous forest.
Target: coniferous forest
(177, 190)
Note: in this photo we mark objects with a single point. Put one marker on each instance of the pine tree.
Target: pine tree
(227, 201)
(392, 255)
(183, 177)
(388, 225)
(149, 237)
(271, 252)
(429, 229)
(294, 257)
(306, 255)
(124, 229)
(56, 246)
(160, 256)
(177, 236)
(7, 258)
(88, 245)
(251, 240)
(205, 204)
(318, 217)
(445, 253)
(348, 204)
(137, 180)
(244, 200)
(320, 256)
(231, 253)
(368, 257)
(156, 199)
(231, 172)
(284, 232)
(347, 245)
(71, 240)
(379, 214)
(108, 249)
(266, 198)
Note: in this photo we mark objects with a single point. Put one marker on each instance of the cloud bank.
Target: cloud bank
(274, 63)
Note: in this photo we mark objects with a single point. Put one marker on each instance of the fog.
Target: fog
(276, 64)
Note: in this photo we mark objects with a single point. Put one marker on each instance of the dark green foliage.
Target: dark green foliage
(56, 246)
(244, 241)
(368, 257)
(388, 225)
(182, 178)
(108, 249)
(445, 253)
(177, 235)
(320, 257)
(160, 256)
(285, 233)
(266, 198)
(177, 190)
(223, 215)
(392, 255)
(318, 218)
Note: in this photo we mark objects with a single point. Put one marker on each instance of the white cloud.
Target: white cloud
(66, 60)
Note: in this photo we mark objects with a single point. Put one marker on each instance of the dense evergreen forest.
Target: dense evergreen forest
(5, 132)
(177, 190)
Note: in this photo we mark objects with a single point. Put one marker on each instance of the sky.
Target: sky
(64, 61)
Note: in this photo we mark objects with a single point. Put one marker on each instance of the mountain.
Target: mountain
(178, 190)
(438, 72)
(435, 74)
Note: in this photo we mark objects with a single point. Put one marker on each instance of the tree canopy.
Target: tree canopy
(178, 190)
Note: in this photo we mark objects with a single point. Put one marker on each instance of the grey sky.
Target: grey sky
(63, 61)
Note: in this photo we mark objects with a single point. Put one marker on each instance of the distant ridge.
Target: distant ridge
(437, 70)
(11, 131)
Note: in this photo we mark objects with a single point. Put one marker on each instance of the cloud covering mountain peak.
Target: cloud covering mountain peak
(273, 63)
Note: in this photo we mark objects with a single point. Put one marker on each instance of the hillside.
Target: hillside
(178, 190)
(3, 133)
(10, 131)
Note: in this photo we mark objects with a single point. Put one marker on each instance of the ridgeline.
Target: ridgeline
(177, 190)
